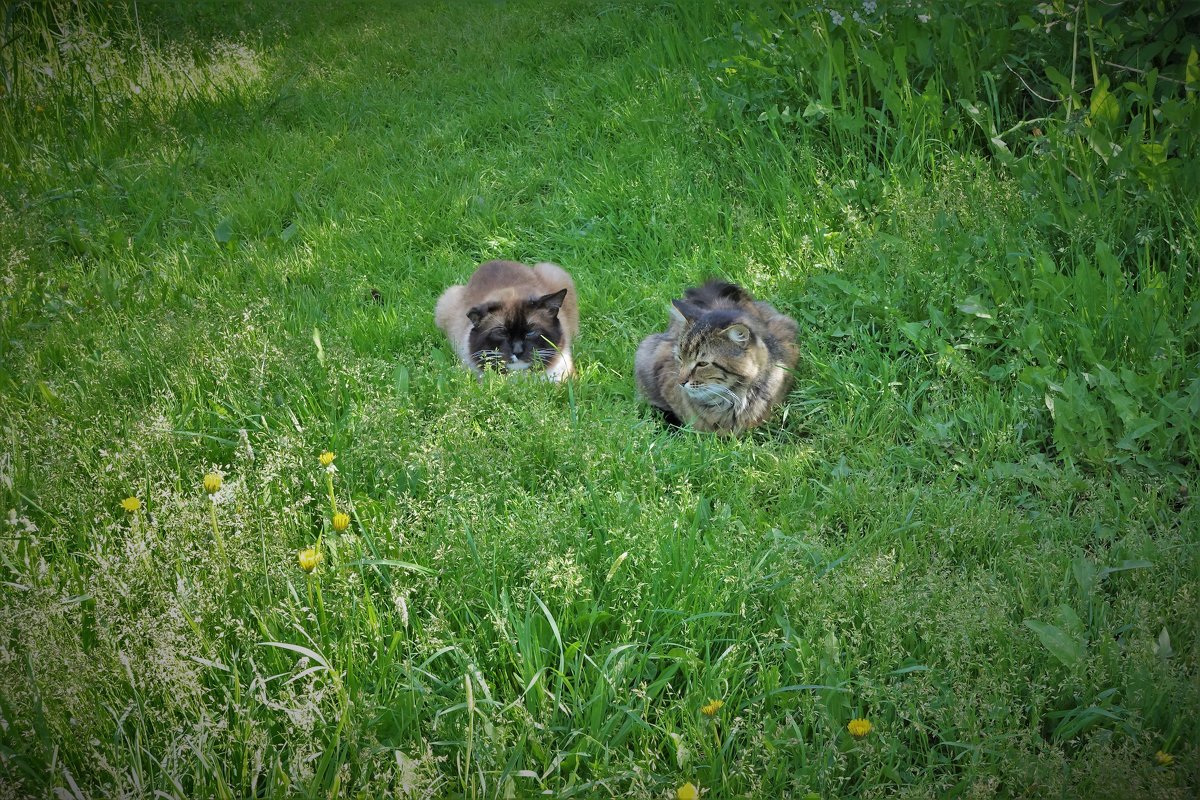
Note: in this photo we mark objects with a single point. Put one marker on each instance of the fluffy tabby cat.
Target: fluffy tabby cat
(724, 362)
(511, 317)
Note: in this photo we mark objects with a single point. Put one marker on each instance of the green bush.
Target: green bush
(1093, 110)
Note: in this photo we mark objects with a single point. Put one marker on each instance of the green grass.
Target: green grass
(951, 529)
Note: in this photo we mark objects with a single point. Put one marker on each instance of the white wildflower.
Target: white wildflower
(836, 18)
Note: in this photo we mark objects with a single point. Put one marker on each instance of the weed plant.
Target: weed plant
(264, 538)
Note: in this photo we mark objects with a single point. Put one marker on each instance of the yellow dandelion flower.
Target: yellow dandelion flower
(131, 504)
(309, 557)
(712, 707)
(341, 521)
(212, 483)
(859, 727)
(687, 792)
(327, 458)
(1164, 759)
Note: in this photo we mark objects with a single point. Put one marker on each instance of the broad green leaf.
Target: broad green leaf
(1071, 622)
(1060, 81)
(1162, 646)
(1153, 152)
(1104, 105)
(1060, 645)
(1002, 152)
(1084, 570)
(974, 306)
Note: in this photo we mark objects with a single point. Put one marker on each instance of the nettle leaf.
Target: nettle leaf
(1060, 644)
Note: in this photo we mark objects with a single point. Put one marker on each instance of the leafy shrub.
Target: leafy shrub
(1093, 109)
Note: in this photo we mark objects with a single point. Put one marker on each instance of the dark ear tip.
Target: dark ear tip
(552, 301)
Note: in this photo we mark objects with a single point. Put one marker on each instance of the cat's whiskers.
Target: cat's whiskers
(486, 357)
(736, 401)
(714, 394)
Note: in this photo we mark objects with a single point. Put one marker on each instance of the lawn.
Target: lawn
(223, 229)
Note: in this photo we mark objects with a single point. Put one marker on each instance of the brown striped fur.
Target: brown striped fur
(724, 362)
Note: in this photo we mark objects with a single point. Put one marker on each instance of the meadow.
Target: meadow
(265, 538)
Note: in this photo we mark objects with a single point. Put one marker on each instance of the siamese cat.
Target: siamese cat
(512, 318)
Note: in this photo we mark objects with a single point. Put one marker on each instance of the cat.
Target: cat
(512, 318)
(724, 362)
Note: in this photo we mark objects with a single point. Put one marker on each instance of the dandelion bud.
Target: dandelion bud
(327, 458)
(131, 504)
(309, 557)
(1164, 759)
(687, 792)
(341, 521)
(712, 707)
(212, 483)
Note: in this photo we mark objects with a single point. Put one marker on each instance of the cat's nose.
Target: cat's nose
(518, 348)
(685, 378)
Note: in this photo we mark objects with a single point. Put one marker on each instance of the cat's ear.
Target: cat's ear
(738, 333)
(551, 302)
(684, 313)
(480, 311)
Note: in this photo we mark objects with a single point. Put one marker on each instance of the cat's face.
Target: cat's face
(516, 336)
(719, 356)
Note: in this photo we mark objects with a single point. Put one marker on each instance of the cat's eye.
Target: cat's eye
(701, 364)
(532, 335)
